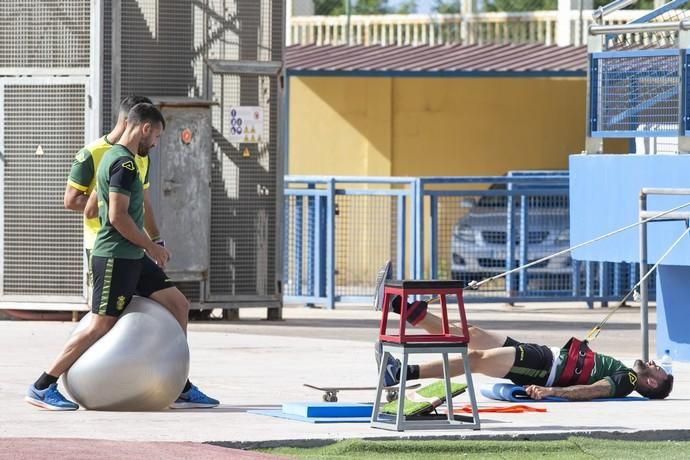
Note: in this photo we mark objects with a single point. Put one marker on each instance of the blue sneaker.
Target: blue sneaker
(49, 399)
(391, 377)
(384, 273)
(194, 399)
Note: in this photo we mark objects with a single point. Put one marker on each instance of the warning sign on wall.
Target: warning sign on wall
(246, 124)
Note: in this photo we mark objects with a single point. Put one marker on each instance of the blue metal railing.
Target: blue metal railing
(635, 93)
(637, 83)
(339, 230)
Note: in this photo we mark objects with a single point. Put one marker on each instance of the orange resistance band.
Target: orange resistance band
(512, 409)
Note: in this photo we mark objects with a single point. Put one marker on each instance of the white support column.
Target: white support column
(563, 24)
(116, 66)
(96, 71)
(467, 8)
(288, 22)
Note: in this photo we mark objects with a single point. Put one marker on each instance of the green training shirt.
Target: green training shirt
(623, 380)
(118, 173)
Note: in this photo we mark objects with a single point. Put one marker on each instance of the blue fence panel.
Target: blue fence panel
(339, 231)
(635, 93)
(361, 222)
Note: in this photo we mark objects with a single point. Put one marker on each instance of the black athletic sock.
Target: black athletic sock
(510, 342)
(44, 381)
(395, 304)
(412, 372)
(416, 310)
(187, 386)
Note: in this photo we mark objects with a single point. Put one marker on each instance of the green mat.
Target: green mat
(435, 395)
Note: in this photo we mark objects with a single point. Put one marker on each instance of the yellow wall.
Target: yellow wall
(426, 127)
(433, 126)
(340, 126)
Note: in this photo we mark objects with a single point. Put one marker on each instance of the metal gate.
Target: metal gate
(244, 50)
(42, 126)
(227, 52)
(45, 118)
(64, 67)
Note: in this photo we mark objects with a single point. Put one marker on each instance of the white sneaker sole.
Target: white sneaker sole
(187, 405)
(44, 406)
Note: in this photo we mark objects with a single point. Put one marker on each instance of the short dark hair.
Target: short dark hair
(144, 112)
(130, 101)
(662, 390)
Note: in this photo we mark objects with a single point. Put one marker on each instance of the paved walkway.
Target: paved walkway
(89, 449)
(255, 364)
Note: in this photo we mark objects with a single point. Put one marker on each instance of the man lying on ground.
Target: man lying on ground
(573, 372)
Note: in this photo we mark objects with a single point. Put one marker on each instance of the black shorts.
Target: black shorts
(532, 363)
(115, 281)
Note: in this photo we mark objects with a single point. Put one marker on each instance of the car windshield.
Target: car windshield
(541, 201)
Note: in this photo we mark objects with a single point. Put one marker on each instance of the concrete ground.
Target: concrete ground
(257, 364)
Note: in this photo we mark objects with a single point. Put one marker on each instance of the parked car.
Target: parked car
(478, 246)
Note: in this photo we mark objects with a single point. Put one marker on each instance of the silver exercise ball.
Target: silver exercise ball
(141, 364)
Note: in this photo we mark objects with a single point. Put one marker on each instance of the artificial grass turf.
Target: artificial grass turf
(571, 448)
(435, 390)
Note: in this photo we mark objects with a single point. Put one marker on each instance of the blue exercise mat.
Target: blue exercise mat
(327, 410)
(516, 393)
(280, 414)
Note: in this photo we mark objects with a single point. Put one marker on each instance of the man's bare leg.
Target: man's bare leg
(44, 393)
(495, 362)
(80, 342)
(175, 302)
(480, 339)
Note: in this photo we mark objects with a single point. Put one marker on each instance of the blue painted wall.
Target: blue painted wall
(673, 321)
(604, 196)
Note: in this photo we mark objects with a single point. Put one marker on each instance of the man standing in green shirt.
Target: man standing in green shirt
(124, 260)
(80, 192)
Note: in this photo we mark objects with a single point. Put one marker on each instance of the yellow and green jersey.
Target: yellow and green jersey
(82, 177)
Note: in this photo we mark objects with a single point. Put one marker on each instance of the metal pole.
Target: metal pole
(116, 55)
(96, 71)
(683, 138)
(593, 144)
(611, 7)
(330, 245)
(644, 298)
(633, 28)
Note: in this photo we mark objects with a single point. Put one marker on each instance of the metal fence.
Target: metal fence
(339, 230)
(45, 117)
(636, 93)
(64, 66)
(638, 81)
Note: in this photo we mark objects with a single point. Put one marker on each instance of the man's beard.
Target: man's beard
(639, 366)
(143, 150)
